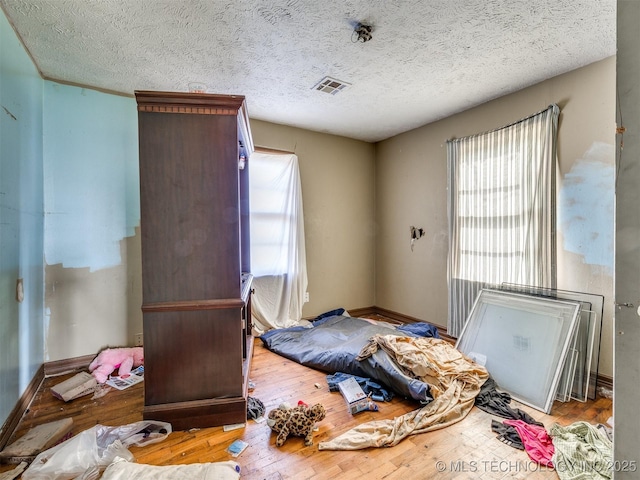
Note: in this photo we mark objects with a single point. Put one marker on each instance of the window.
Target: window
(273, 224)
(501, 210)
(278, 257)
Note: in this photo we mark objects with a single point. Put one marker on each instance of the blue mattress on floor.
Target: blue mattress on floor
(332, 343)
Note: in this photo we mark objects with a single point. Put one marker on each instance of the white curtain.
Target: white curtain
(501, 210)
(278, 258)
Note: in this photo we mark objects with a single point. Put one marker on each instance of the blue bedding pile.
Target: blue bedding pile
(333, 342)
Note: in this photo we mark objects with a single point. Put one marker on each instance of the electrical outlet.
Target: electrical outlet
(138, 339)
(306, 297)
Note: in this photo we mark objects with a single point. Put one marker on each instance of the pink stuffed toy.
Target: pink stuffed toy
(124, 359)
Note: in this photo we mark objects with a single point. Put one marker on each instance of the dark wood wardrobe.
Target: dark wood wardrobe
(196, 281)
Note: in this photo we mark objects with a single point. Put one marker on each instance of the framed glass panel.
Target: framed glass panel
(589, 333)
(525, 341)
(567, 377)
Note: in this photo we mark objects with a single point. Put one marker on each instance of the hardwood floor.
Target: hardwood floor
(465, 450)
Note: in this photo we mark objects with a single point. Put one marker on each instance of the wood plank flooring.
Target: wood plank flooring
(466, 450)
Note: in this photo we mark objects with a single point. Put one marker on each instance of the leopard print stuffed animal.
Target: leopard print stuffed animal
(299, 421)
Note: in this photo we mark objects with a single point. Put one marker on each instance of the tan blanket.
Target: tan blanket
(122, 470)
(454, 380)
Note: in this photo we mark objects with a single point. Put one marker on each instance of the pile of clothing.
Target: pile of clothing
(579, 450)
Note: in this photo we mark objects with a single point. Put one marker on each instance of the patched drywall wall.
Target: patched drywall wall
(88, 310)
(21, 222)
(92, 209)
(586, 206)
(93, 276)
(91, 176)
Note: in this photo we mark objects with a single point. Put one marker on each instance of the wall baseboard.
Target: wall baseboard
(605, 382)
(21, 407)
(67, 365)
(362, 312)
(48, 369)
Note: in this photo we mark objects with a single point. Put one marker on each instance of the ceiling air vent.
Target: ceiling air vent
(331, 85)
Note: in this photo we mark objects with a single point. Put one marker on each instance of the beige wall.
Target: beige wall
(337, 177)
(411, 178)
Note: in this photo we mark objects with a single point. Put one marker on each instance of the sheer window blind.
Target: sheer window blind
(502, 187)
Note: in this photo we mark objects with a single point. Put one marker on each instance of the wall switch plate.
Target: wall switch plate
(306, 297)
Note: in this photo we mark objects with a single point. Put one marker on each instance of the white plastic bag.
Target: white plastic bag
(83, 456)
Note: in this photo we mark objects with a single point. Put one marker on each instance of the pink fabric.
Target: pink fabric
(536, 440)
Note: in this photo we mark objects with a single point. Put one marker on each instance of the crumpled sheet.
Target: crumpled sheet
(123, 470)
(454, 380)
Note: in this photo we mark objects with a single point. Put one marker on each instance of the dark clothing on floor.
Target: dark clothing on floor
(507, 434)
(497, 403)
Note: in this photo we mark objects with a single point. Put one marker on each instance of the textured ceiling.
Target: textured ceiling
(428, 59)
